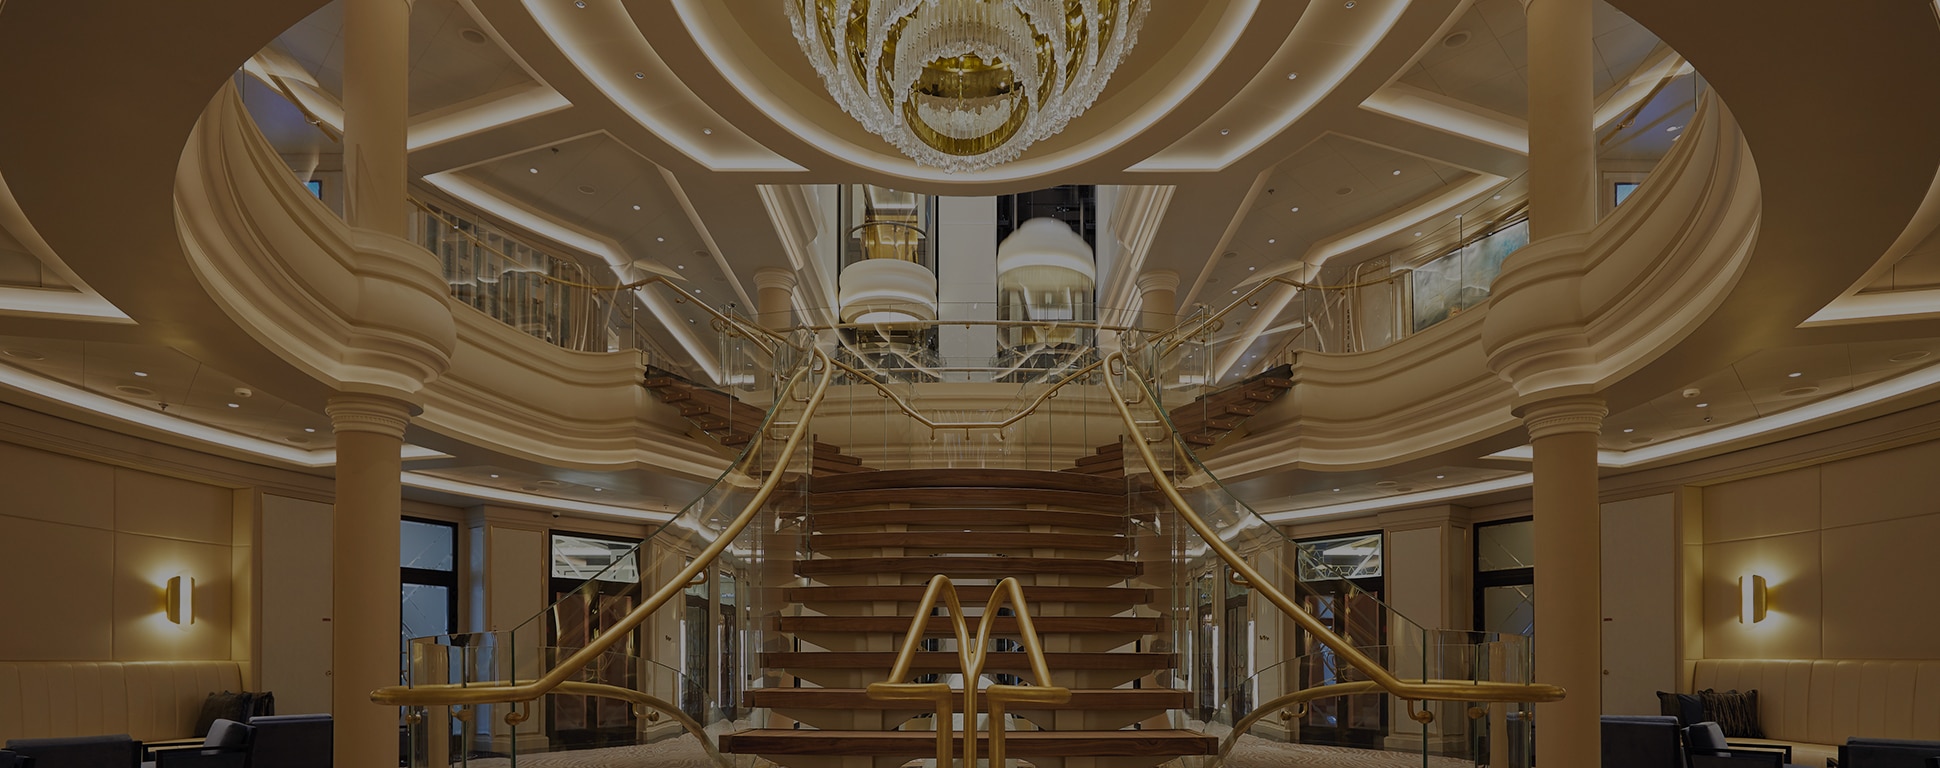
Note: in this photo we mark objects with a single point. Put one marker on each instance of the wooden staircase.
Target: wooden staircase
(1203, 421)
(719, 414)
(877, 537)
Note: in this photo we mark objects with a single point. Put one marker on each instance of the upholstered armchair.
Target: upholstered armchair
(1863, 752)
(291, 741)
(226, 746)
(1705, 747)
(117, 751)
(1641, 741)
(12, 759)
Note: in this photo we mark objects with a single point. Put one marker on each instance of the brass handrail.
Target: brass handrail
(1429, 690)
(971, 659)
(497, 692)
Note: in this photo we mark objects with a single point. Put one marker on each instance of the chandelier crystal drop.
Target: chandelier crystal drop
(964, 85)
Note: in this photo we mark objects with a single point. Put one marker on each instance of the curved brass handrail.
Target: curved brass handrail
(1429, 690)
(971, 658)
(639, 699)
(498, 692)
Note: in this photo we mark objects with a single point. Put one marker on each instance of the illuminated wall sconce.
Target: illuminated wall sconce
(179, 600)
(1751, 599)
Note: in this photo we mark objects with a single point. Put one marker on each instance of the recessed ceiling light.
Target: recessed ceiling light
(1456, 40)
(1441, 477)
(1417, 234)
(1798, 391)
(585, 189)
(1293, 75)
(1628, 430)
(1249, 269)
(707, 131)
(1348, 4)
(548, 483)
(639, 75)
(636, 206)
(1397, 172)
(680, 266)
(599, 489)
(532, 170)
(1295, 209)
(1271, 240)
(1497, 197)
(1344, 191)
(1337, 490)
(494, 476)
(235, 405)
(1235, 291)
(1794, 374)
(1673, 128)
(309, 429)
(579, 3)
(143, 374)
(1703, 405)
(1225, 131)
(697, 291)
(471, 35)
(1903, 357)
(660, 239)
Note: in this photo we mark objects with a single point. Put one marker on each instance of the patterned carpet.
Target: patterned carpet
(1252, 752)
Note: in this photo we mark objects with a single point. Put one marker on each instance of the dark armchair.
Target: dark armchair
(1862, 752)
(291, 741)
(12, 759)
(226, 746)
(117, 751)
(1705, 747)
(1641, 741)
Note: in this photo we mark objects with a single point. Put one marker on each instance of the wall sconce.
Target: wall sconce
(179, 600)
(1751, 599)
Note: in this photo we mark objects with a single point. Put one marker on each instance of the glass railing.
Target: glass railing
(652, 653)
(1244, 596)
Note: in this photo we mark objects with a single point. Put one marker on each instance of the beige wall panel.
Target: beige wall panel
(1639, 603)
(44, 486)
(142, 567)
(1787, 502)
(1880, 486)
(1790, 565)
(1413, 565)
(171, 508)
(56, 611)
(1879, 597)
(295, 603)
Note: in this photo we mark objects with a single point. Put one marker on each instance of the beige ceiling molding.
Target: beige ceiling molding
(466, 118)
(1574, 314)
(285, 268)
(78, 303)
(707, 237)
(1330, 42)
(1432, 110)
(604, 43)
(1853, 306)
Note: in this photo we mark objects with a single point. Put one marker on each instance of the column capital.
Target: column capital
(378, 414)
(774, 277)
(1158, 280)
(1564, 415)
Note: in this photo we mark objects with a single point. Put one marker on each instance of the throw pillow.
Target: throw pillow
(1688, 708)
(223, 705)
(1736, 713)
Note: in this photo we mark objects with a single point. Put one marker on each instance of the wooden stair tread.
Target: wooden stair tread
(947, 660)
(1005, 566)
(940, 625)
(1100, 458)
(1016, 743)
(961, 496)
(971, 517)
(967, 541)
(967, 478)
(968, 593)
(858, 698)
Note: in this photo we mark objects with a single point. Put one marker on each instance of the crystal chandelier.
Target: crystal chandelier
(965, 84)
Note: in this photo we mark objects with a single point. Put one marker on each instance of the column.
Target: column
(1562, 129)
(365, 601)
(774, 298)
(1158, 300)
(1569, 530)
(376, 113)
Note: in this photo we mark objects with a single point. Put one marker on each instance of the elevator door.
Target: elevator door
(584, 613)
(1350, 721)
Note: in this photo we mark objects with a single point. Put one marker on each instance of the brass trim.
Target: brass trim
(1433, 690)
(971, 659)
(499, 692)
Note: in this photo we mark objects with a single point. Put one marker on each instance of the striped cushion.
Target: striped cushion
(1736, 713)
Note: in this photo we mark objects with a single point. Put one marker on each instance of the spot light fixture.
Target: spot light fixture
(1752, 600)
(178, 599)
